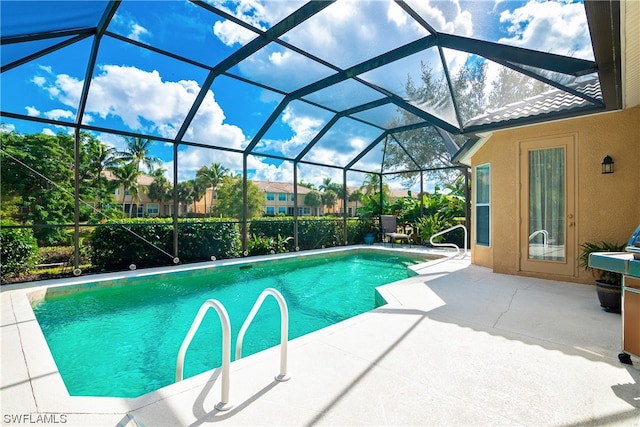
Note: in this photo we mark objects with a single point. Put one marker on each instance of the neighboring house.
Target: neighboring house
(540, 191)
(280, 198)
(393, 194)
(144, 206)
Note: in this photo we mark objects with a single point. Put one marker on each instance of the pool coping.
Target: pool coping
(47, 389)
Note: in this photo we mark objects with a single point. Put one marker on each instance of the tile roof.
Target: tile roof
(279, 187)
(551, 101)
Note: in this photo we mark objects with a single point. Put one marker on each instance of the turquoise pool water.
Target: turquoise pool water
(123, 341)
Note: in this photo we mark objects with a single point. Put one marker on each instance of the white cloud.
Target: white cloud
(554, 27)
(275, 173)
(230, 33)
(445, 16)
(48, 131)
(143, 101)
(7, 127)
(396, 16)
(58, 113)
(135, 95)
(253, 12)
(66, 89)
(138, 31)
(304, 126)
(125, 24)
(32, 111)
(39, 81)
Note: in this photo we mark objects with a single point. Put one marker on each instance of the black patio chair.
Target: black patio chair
(389, 224)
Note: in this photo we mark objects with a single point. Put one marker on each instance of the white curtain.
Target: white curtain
(547, 204)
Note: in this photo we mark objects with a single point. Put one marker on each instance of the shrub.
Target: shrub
(149, 242)
(430, 225)
(18, 250)
(55, 254)
(259, 245)
(320, 232)
(313, 233)
(64, 254)
(51, 235)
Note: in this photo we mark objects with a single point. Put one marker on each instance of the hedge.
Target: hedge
(18, 250)
(313, 233)
(149, 242)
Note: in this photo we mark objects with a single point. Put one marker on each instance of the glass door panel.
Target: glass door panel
(547, 205)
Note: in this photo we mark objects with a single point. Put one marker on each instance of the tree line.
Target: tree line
(38, 178)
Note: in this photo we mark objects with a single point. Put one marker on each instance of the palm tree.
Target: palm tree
(199, 191)
(307, 185)
(355, 196)
(102, 157)
(137, 152)
(127, 175)
(371, 183)
(185, 193)
(211, 177)
(160, 189)
(329, 198)
(326, 184)
(332, 191)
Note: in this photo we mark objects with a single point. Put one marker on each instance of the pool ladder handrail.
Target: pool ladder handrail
(451, 245)
(284, 329)
(545, 237)
(223, 405)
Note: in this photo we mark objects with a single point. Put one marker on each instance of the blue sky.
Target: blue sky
(134, 89)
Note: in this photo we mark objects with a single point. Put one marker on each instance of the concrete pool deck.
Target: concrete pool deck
(455, 345)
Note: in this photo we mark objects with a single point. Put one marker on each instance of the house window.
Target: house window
(152, 209)
(293, 198)
(483, 204)
(282, 209)
(270, 196)
(282, 197)
(270, 210)
(117, 191)
(140, 210)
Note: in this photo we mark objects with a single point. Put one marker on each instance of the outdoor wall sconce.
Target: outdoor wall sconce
(607, 165)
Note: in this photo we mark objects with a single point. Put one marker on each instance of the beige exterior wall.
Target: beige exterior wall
(607, 207)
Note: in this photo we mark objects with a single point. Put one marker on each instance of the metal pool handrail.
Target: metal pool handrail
(451, 245)
(284, 329)
(545, 237)
(223, 405)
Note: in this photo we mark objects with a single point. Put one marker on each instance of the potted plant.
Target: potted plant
(367, 227)
(608, 283)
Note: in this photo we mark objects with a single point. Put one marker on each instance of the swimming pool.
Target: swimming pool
(122, 339)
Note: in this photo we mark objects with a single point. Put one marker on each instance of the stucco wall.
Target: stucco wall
(607, 206)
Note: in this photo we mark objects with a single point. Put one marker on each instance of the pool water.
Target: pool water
(123, 341)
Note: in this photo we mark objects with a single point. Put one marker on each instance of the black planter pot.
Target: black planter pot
(610, 296)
